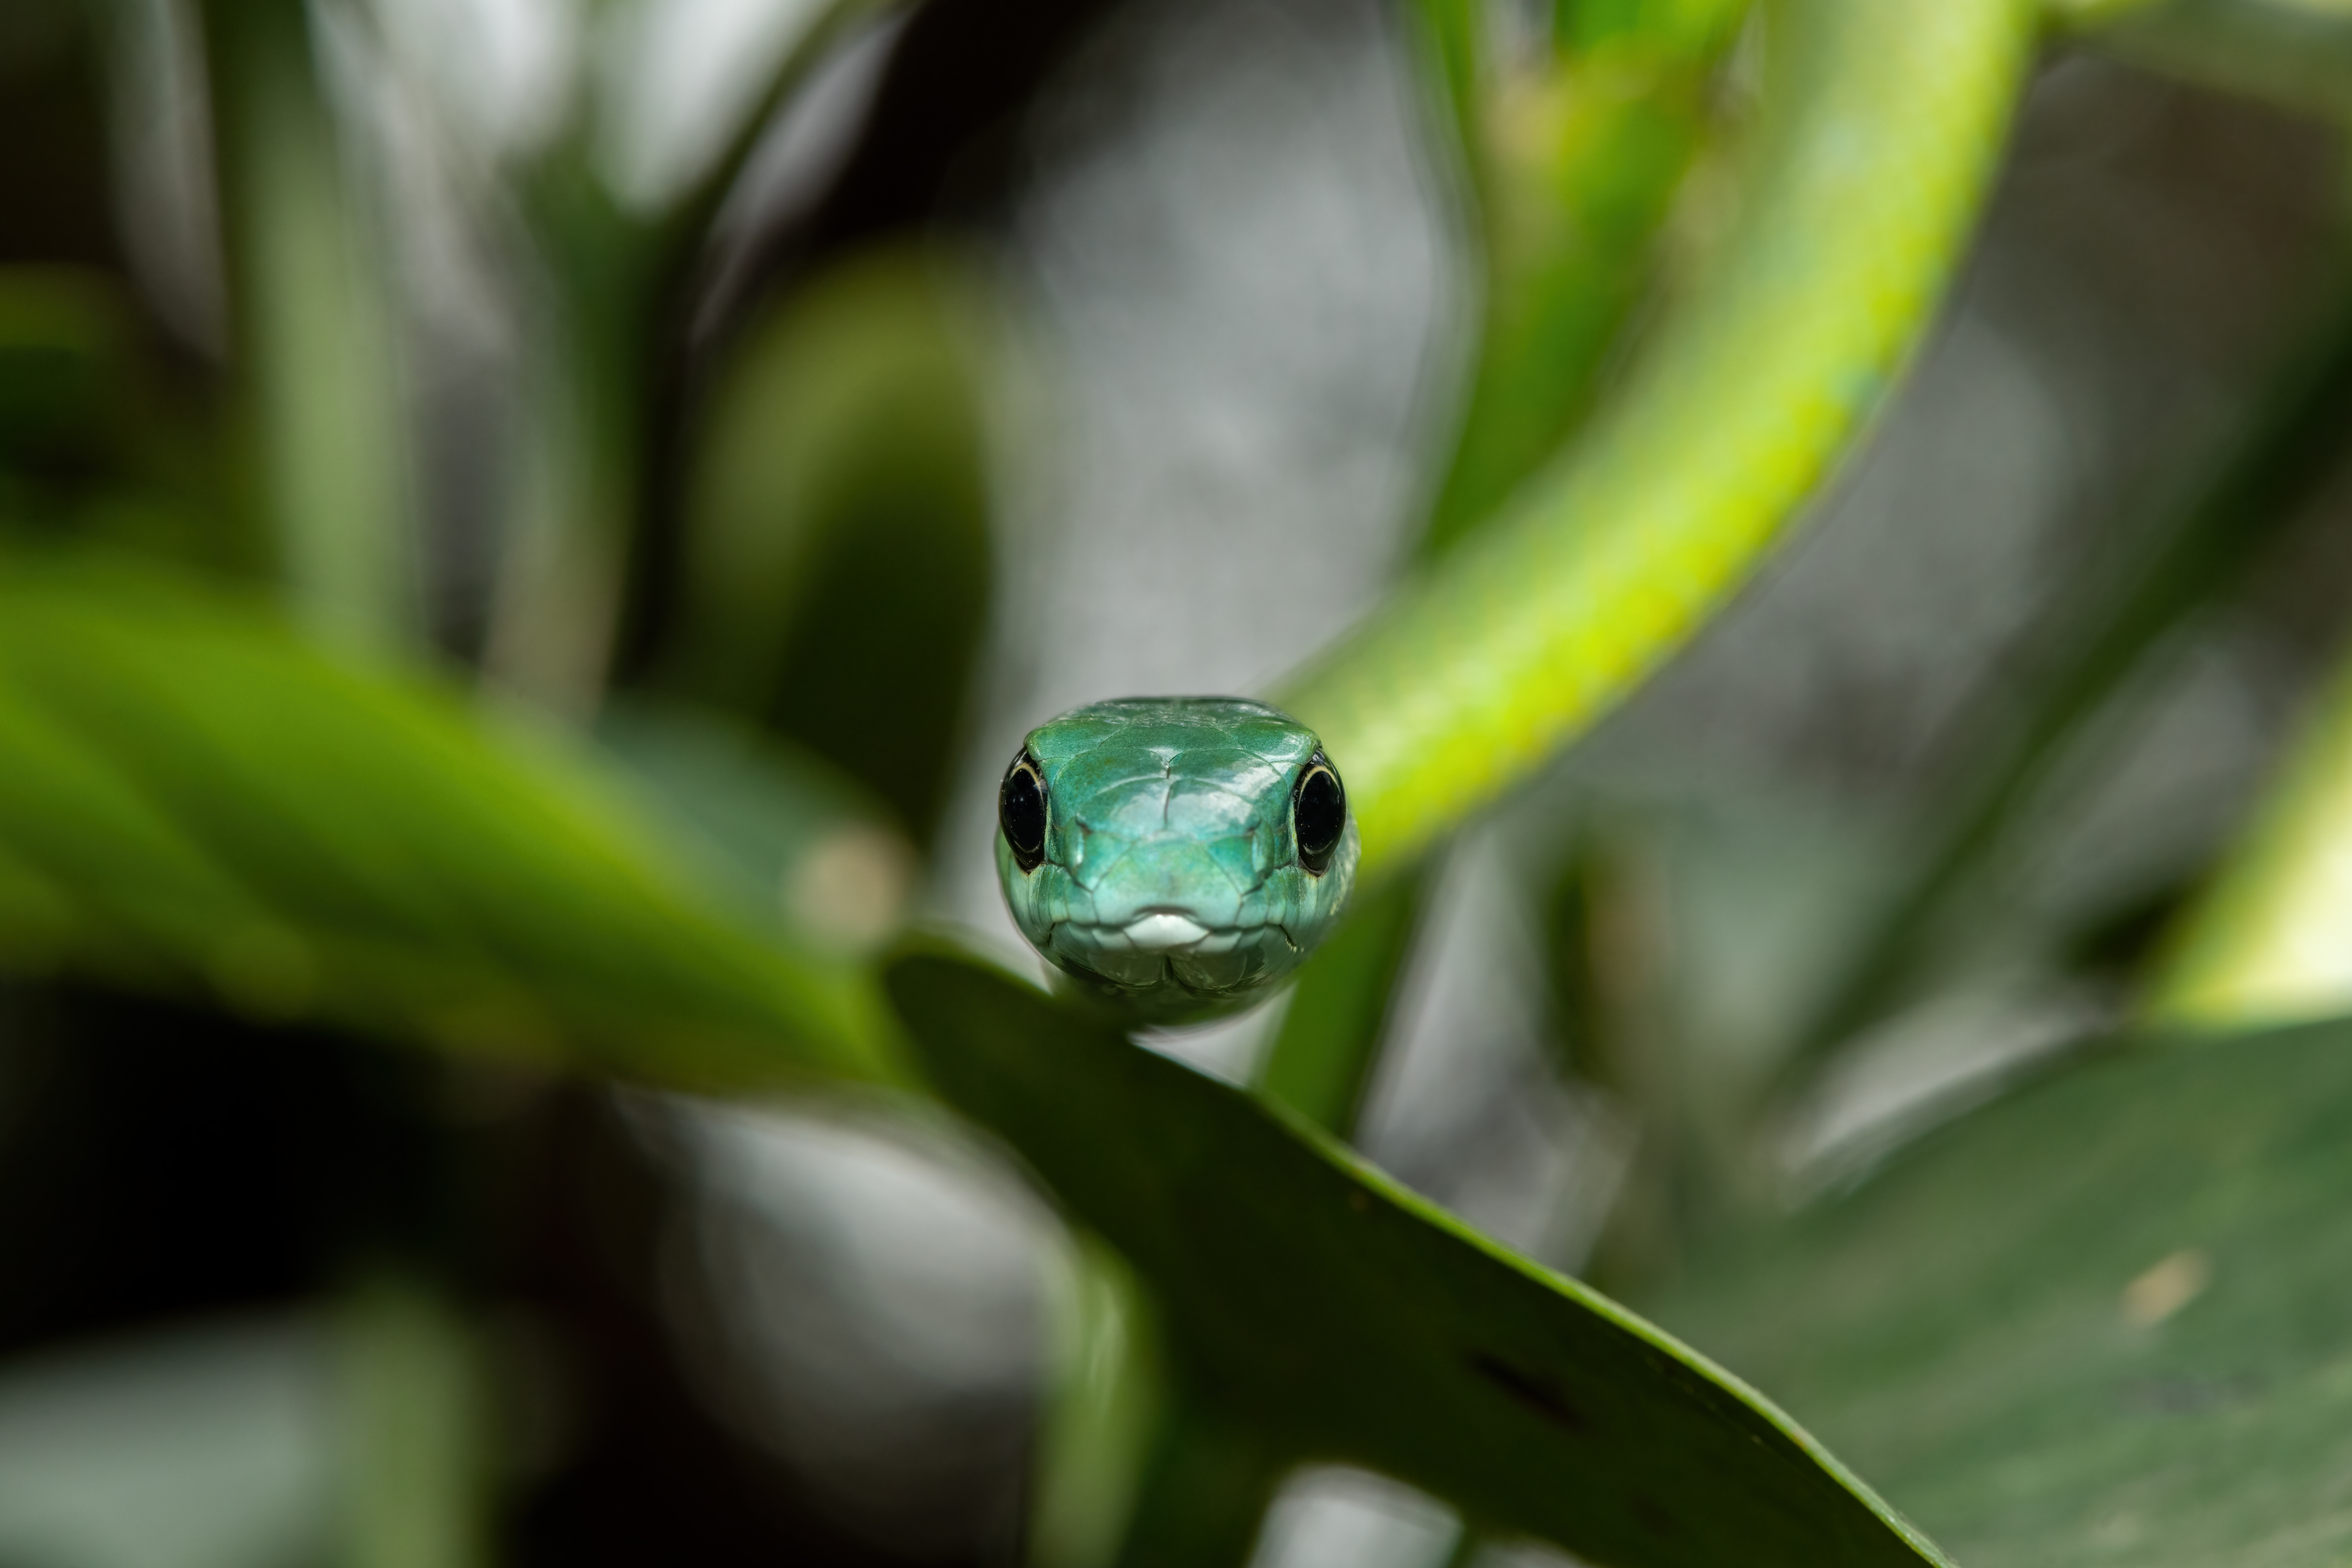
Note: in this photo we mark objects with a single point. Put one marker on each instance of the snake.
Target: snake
(1175, 855)
(1153, 849)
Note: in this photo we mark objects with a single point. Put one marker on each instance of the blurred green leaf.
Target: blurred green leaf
(414, 1382)
(2108, 1319)
(2118, 620)
(2296, 57)
(2266, 943)
(836, 571)
(787, 836)
(313, 319)
(62, 338)
(1103, 1401)
(605, 358)
(1577, 156)
(190, 793)
(1885, 122)
(1204, 1487)
(1340, 1007)
(1343, 1318)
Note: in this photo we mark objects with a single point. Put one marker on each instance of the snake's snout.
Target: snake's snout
(1162, 892)
(1165, 931)
(1157, 933)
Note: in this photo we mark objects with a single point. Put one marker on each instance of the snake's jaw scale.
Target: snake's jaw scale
(1192, 850)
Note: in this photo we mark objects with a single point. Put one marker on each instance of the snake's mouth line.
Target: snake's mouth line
(1168, 932)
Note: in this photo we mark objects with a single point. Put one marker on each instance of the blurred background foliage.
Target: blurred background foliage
(529, 527)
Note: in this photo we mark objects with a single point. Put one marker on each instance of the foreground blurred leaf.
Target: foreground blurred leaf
(2108, 1319)
(1345, 1319)
(777, 830)
(188, 792)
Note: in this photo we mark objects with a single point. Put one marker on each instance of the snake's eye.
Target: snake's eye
(1021, 810)
(1319, 814)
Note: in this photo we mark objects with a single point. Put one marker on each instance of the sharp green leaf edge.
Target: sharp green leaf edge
(1348, 1320)
(2106, 1320)
(192, 797)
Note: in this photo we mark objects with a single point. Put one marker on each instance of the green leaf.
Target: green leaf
(834, 570)
(1575, 156)
(774, 829)
(313, 310)
(2265, 943)
(62, 340)
(1345, 1319)
(415, 1381)
(2108, 1319)
(191, 794)
(1339, 1008)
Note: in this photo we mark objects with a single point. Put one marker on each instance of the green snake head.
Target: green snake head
(1176, 854)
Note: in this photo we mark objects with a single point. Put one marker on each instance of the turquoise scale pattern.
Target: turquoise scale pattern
(1171, 882)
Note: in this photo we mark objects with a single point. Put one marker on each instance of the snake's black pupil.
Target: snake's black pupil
(1021, 811)
(1317, 814)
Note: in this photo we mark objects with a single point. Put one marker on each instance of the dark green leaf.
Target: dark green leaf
(1345, 1319)
(1339, 1008)
(60, 346)
(835, 573)
(2108, 1319)
(1576, 154)
(769, 826)
(191, 793)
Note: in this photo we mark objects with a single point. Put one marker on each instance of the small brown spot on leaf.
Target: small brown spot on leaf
(2166, 1287)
